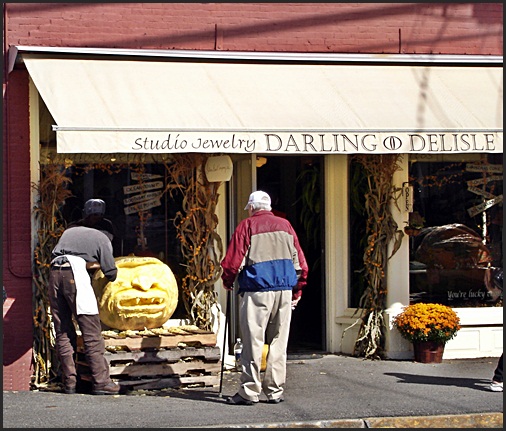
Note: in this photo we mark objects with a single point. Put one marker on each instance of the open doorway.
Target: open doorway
(295, 184)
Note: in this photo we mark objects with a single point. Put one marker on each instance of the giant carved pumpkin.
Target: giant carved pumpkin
(452, 246)
(144, 294)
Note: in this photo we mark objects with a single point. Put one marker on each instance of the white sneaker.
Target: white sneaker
(496, 386)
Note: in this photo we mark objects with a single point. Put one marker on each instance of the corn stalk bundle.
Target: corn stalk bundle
(201, 245)
(52, 191)
(381, 230)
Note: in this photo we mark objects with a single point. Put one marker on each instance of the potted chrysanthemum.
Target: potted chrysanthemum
(428, 327)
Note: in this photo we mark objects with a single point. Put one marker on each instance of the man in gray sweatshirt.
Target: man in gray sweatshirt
(71, 294)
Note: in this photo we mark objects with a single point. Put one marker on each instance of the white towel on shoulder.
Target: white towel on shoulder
(86, 301)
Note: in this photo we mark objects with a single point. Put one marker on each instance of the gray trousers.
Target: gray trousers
(264, 318)
(62, 298)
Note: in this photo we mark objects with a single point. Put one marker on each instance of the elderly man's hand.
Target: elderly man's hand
(295, 302)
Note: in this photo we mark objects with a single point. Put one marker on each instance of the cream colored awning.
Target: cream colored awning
(166, 106)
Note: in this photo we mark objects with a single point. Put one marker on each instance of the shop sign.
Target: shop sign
(407, 192)
(142, 206)
(142, 197)
(472, 186)
(316, 142)
(142, 187)
(303, 142)
(481, 192)
(484, 206)
(143, 177)
(480, 181)
(219, 169)
(486, 168)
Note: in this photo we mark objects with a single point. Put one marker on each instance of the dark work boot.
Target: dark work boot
(69, 390)
(69, 374)
(110, 389)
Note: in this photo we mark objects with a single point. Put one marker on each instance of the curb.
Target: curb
(338, 423)
(474, 420)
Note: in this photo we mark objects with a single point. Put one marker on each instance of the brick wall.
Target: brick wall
(17, 256)
(409, 28)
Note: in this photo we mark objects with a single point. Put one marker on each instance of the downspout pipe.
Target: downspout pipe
(8, 66)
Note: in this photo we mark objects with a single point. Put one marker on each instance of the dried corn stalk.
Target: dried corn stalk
(201, 245)
(381, 230)
(52, 191)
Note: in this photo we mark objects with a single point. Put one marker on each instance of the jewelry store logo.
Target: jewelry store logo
(392, 143)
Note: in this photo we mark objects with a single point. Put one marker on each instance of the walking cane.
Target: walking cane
(227, 312)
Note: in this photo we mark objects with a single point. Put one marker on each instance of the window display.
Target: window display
(456, 256)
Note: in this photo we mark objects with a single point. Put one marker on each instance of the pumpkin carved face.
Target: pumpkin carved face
(144, 294)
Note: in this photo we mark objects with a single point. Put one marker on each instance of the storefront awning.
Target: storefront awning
(133, 106)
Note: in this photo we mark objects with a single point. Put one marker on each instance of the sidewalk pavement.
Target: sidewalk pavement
(322, 391)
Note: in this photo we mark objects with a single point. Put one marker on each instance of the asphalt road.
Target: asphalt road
(321, 391)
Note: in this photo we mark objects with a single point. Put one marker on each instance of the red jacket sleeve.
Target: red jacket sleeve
(302, 275)
(236, 251)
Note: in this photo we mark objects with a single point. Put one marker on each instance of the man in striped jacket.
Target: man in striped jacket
(265, 256)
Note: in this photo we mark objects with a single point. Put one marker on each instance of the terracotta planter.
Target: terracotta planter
(429, 352)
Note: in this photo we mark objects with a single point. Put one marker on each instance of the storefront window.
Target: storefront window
(456, 258)
(455, 237)
(138, 204)
(358, 238)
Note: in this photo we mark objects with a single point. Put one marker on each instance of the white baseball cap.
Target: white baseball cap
(257, 198)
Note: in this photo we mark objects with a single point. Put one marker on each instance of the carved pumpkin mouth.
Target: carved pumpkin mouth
(141, 305)
(133, 302)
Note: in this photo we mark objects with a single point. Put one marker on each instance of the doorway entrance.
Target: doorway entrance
(295, 184)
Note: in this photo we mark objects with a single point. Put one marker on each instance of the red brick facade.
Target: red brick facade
(17, 274)
(393, 28)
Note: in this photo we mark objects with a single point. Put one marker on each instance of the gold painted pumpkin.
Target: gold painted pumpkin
(144, 294)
